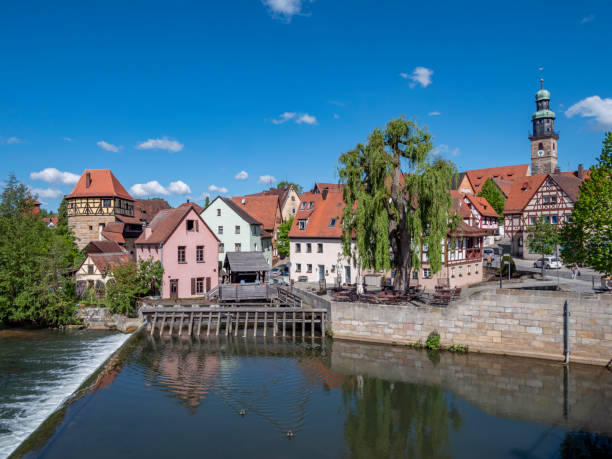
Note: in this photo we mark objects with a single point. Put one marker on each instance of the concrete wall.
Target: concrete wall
(502, 321)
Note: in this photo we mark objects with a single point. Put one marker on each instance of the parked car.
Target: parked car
(548, 262)
(488, 252)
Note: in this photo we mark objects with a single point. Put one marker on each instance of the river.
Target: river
(235, 397)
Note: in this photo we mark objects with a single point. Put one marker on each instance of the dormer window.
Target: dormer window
(303, 206)
(332, 222)
(310, 204)
(302, 224)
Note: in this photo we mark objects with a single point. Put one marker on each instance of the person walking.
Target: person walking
(489, 260)
(574, 270)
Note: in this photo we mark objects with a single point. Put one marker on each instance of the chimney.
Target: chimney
(557, 170)
(147, 232)
(325, 191)
(580, 171)
(243, 201)
(187, 201)
(87, 179)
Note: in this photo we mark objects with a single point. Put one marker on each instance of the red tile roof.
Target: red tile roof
(570, 184)
(128, 220)
(197, 208)
(146, 209)
(320, 216)
(166, 222)
(478, 177)
(49, 220)
(103, 247)
(320, 186)
(105, 262)
(482, 206)
(522, 191)
(114, 232)
(102, 183)
(264, 208)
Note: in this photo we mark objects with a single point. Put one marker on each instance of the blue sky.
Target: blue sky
(191, 93)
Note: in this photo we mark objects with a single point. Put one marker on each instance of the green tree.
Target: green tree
(130, 282)
(390, 209)
(587, 237)
(283, 238)
(543, 239)
(207, 202)
(285, 184)
(36, 285)
(491, 192)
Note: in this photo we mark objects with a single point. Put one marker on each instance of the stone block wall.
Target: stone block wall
(502, 321)
(80, 227)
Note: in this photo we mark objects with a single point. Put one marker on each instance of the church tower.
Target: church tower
(544, 138)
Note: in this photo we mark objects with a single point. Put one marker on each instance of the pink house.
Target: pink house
(187, 249)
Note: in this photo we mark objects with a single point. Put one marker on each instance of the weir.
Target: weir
(236, 320)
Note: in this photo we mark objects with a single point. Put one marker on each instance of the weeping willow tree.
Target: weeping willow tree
(396, 196)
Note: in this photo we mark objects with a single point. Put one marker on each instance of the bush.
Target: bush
(433, 341)
(130, 282)
(504, 266)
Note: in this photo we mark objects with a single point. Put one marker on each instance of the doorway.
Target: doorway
(347, 274)
(321, 272)
(173, 288)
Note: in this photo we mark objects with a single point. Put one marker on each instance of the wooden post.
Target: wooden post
(312, 322)
(218, 322)
(246, 324)
(200, 324)
(293, 324)
(181, 324)
(172, 324)
(274, 325)
(208, 325)
(303, 324)
(265, 323)
(153, 323)
(190, 328)
(255, 326)
(163, 322)
(284, 323)
(228, 324)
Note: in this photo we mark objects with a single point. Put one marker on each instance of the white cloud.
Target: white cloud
(52, 175)
(420, 75)
(67, 139)
(593, 107)
(154, 188)
(217, 189)
(267, 179)
(242, 175)
(202, 197)
(284, 118)
(445, 149)
(47, 193)
(337, 102)
(298, 118)
(161, 144)
(306, 118)
(108, 146)
(284, 9)
(336, 116)
(433, 114)
(589, 18)
(12, 140)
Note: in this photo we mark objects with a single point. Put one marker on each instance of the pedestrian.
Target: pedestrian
(489, 260)
(574, 270)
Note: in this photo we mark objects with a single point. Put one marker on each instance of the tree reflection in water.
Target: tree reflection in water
(386, 419)
(579, 445)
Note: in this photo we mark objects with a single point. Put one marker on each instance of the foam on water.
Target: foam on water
(46, 390)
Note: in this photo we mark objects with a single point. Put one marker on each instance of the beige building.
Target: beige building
(96, 270)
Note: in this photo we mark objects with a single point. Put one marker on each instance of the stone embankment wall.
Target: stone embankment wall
(102, 319)
(500, 321)
(534, 390)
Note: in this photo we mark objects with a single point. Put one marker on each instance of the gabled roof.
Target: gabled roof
(570, 184)
(522, 191)
(320, 186)
(99, 183)
(240, 262)
(105, 262)
(146, 209)
(282, 193)
(197, 208)
(165, 223)
(103, 247)
(114, 232)
(463, 229)
(239, 210)
(482, 206)
(320, 216)
(478, 177)
(263, 208)
(459, 205)
(51, 220)
(505, 185)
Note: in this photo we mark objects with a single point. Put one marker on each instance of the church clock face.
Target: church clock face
(540, 152)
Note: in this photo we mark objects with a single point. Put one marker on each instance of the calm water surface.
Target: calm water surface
(182, 398)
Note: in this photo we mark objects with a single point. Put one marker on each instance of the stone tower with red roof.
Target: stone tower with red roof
(97, 200)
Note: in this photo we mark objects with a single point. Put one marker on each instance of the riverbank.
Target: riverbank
(526, 323)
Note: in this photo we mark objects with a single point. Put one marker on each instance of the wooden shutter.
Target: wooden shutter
(197, 226)
(207, 284)
(193, 285)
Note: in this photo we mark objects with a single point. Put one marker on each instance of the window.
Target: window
(106, 202)
(310, 204)
(532, 220)
(200, 254)
(302, 224)
(90, 269)
(547, 218)
(293, 210)
(218, 212)
(191, 225)
(308, 247)
(469, 269)
(319, 248)
(298, 267)
(254, 230)
(181, 254)
(553, 199)
(298, 247)
(309, 268)
(221, 247)
(546, 199)
(237, 247)
(567, 218)
(476, 268)
(90, 228)
(555, 219)
(415, 274)
(220, 230)
(237, 229)
(303, 206)
(332, 222)
(197, 285)
(459, 270)
(426, 273)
